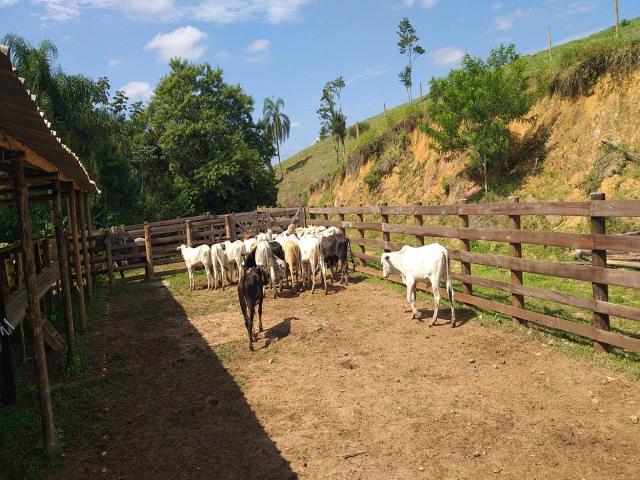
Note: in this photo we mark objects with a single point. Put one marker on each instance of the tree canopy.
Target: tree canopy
(408, 44)
(193, 148)
(471, 108)
(332, 120)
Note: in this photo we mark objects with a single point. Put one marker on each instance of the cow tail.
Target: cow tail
(449, 287)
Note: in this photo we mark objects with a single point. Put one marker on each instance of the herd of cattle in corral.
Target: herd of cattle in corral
(297, 256)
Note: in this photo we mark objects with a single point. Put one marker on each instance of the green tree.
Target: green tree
(332, 120)
(471, 108)
(408, 43)
(211, 155)
(276, 123)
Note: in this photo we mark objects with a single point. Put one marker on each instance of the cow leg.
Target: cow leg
(411, 297)
(344, 272)
(249, 324)
(435, 287)
(294, 284)
(223, 271)
(312, 271)
(260, 315)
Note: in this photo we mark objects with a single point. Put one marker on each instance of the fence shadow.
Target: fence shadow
(174, 410)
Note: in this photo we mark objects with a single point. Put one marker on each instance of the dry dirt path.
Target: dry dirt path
(344, 374)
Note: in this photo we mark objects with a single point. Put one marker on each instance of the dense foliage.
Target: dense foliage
(470, 108)
(194, 148)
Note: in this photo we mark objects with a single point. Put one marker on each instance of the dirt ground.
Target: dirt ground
(347, 374)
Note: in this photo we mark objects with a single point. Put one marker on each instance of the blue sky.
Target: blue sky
(290, 48)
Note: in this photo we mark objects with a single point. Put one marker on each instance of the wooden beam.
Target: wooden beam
(77, 263)
(33, 309)
(63, 259)
(600, 291)
(84, 227)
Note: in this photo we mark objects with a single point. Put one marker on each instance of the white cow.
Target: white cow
(420, 264)
(220, 264)
(234, 251)
(312, 258)
(197, 256)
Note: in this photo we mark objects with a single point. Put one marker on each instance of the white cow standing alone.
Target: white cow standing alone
(420, 264)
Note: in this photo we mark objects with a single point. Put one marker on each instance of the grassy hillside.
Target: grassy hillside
(574, 70)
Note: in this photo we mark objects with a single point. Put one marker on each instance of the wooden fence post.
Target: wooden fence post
(62, 245)
(419, 221)
(361, 233)
(19, 270)
(107, 245)
(466, 247)
(187, 229)
(600, 290)
(92, 243)
(515, 250)
(230, 227)
(33, 308)
(386, 236)
(326, 215)
(148, 248)
(77, 263)
(85, 247)
(303, 216)
(341, 217)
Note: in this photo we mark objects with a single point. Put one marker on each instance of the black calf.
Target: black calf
(250, 294)
(336, 248)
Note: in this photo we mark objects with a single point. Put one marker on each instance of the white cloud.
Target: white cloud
(183, 42)
(258, 51)
(295, 124)
(137, 90)
(215, 11)
(222, 55)
(114, 62)
(7, 3)
(371, 72)
(64, 10)
(505, 22)
(422, 3)
(496, 6)
(447, 56)
(258, 46)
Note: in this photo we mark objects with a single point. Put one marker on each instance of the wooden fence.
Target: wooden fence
(378, 228)
(157, 242)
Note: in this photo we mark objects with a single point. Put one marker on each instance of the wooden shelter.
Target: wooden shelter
(35, 166)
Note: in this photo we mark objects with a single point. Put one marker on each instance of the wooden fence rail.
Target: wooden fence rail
(373, 228)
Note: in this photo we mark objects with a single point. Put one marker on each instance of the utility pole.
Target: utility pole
(549, 41)
(617, 17)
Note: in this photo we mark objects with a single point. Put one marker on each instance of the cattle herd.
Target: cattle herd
(297, 256)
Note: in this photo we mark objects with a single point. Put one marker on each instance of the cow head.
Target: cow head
(386, 265)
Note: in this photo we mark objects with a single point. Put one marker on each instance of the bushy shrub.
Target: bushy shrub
(362, 126)
(372, 179)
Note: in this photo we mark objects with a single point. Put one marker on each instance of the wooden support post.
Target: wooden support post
(7, 375)
(466, 247)
(384, 105)
(303, 216)
(65, 281)
(230, 227)
(148, 248)
(19, 270)
(89, 220)
(515, 250)
(549, 41)
(84, 227)
(361, 234)
(418, 217)
(188, 235)
(37, 254)
(326, 215)
(341, 217)
(77, 262)
(33, 308)
(46, 260)
(386, 236)
(600, 290)
(107, 246)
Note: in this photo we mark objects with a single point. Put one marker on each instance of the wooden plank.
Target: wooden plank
(427, 230)
(148, 246)
(587, 273)
(77, 263)
(420, 209)
(376, 227)
(616, 208)
(580, 209)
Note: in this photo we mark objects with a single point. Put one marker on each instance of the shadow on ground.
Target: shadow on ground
(174, 411)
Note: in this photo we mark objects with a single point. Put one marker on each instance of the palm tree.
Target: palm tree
(277, 123)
